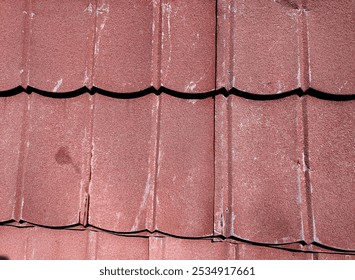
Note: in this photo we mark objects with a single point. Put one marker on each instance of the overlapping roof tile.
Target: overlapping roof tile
(226, 119)
(35, 243)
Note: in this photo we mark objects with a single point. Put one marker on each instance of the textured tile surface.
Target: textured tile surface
(149, 151)
(256, 170)
(258, 48)
(56, 160)
(331, 171)
(40, 243)
(187, 46)
(123, 45)
(332, 45)
(270, 167)
(11, 43)
(12, 118)
(58, 39)
(123, 163)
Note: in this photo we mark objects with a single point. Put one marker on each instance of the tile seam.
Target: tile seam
(306, 169)
(304, 50)
(27, 31)
(156, 43)
(24, 146)
(157, 160)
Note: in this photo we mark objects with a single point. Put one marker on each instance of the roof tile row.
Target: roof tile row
(272, 172)
(187, 46)
(40, 243)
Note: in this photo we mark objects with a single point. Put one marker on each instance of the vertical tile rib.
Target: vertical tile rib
(88, 82)
(306, 169)
(303, 45)
(156, 43)
(17, 215)
(302, 170)
(222, 166)
(91, 244)
(28, 14)
(90, 50)
(157, 156)
(225, 44)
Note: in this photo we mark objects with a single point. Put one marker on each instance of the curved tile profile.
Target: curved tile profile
(186, 46)
(150, 171)
(59, 36)
(123, 45)
(258, 181)
(123, 163)
(37, 243)
(331, 45)
(12, 116)
(56, 160)
(258, 47)
(188, 31)
(12, 43)
(185, 167)
(331, 171)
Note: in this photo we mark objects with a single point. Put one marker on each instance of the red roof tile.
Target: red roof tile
(58, 40)
(331, 171)
(265, 166)
(124, 141)
(256, 168)
(123, 45)
(56, 160)
(11, 44)
(12, 115)
(331, 45)
(41, 243)
(116, 46)
(258, 46)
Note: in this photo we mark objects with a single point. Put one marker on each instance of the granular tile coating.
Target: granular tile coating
(331, 171)
(123, 45)
(258, 47)
(11, 43)
(56, 160)
(188, 45)
(265, 168)
(123, 163)
(12, 117)
(332, 45)
(168, 248)
(257, 185)
(36, 243)
(247, 252)
(58, 39)
(185, 170)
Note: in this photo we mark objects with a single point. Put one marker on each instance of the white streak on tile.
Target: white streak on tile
(57, 85)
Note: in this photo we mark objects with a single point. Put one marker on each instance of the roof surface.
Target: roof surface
(161, 126)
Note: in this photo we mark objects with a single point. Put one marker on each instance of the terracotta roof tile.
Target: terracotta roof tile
(119, 47)
(41, 243)
(123, 156)
(12, 116)
(146, 151)
(123, 45)
(258, 185)
(331, 171)
(257, 162)
(56, 160)
(331, 45)
(12, 43)
(58, 39)
(258, 46)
